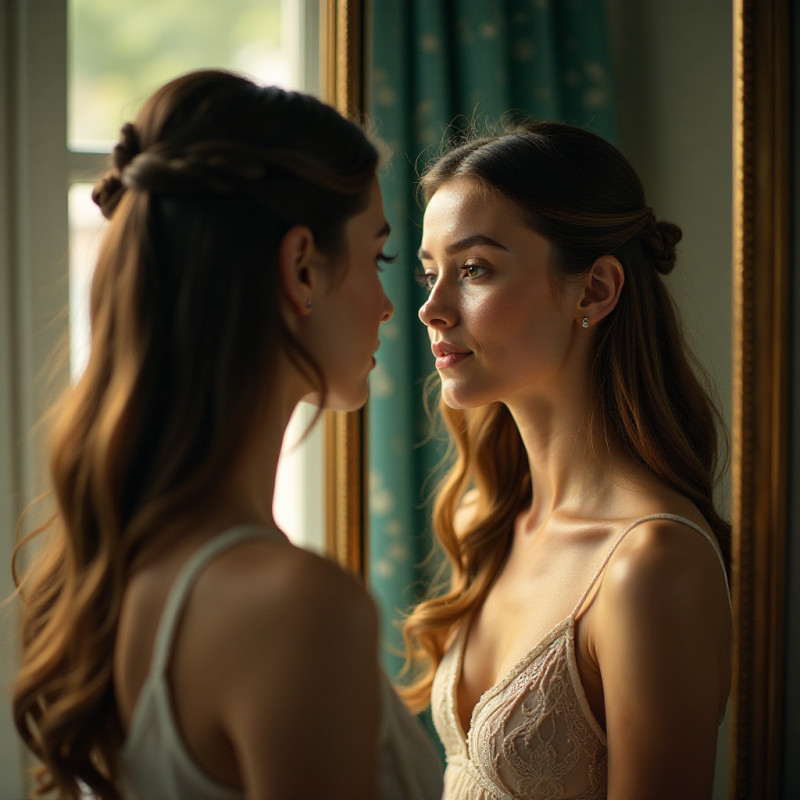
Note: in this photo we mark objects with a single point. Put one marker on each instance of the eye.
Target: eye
(383, 258)
(427, 280)
(473, 271)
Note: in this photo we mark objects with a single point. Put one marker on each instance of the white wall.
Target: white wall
(674, 71)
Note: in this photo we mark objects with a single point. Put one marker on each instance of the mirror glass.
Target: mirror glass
(672, 70)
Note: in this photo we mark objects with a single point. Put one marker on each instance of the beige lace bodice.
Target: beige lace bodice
(532, 735)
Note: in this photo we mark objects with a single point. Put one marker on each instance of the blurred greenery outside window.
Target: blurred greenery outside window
(119, 52)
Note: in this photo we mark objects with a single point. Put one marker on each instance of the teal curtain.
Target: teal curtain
(438, 65)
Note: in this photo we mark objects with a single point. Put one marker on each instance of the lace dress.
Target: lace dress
(532, 735)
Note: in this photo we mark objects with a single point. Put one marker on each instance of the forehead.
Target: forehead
(466, 203)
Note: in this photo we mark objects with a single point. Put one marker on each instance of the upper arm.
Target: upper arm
(303, 710)
(662, 643)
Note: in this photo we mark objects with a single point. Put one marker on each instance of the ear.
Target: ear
(297, 256)
(602, 287)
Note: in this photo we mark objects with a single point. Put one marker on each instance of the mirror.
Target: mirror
(759, 466)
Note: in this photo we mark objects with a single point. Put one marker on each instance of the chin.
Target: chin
(463, 400)
(350, 402)
(459, 406)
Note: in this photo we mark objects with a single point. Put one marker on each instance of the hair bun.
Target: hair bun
(661, 239)
(108, 191)
(127, 148)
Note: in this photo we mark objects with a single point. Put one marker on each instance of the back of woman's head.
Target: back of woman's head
(187, 324)
(186, 302)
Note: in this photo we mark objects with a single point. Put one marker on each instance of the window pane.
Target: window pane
(86, 228)
(120, 51)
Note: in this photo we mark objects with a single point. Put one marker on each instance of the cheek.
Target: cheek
(487, 314)
(520, 324)
(363, 292)
(501, 316)
(378, 303)
(378, 296)
(366, 307)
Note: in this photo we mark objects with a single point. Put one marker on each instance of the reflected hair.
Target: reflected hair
(647, 390)
(187, 326)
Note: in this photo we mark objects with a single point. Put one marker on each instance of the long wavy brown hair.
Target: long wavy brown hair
(648, 392)
(185, 321)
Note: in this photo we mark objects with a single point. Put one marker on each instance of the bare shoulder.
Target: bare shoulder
(272, 609)
(665, 589)
(665, 560)
(290, 593)
(276, 640)
(660, 637)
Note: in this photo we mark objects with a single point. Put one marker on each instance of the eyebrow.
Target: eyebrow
(384, 231)
(463, 244)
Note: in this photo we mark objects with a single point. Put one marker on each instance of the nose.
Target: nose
(435, 312)
(388, 308)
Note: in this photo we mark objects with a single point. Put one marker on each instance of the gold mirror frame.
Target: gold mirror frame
(341, 29)
(760, 390)
(761, 265)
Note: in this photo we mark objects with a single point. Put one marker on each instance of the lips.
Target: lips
(448, 355)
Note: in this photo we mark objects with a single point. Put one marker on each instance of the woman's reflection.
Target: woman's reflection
(583, 646)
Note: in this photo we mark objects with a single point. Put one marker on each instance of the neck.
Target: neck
(242, 493)
(251, 485)
(574, 469)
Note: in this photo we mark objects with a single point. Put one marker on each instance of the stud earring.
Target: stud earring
(585, 322)
(308, 304)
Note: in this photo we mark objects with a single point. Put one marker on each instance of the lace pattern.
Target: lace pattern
(532, 736)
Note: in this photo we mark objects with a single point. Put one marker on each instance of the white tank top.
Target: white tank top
(156, 765)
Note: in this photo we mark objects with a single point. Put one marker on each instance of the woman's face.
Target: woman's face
(353, 308)
(499, 327)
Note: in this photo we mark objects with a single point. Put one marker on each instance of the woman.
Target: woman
(175, 644)
(582, 649)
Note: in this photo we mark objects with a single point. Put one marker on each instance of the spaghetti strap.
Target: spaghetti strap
(185, 580)
(636, 523)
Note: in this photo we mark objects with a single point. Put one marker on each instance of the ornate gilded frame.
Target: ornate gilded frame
(761, 267)
(341, 29)
(761, 389)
